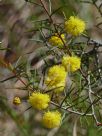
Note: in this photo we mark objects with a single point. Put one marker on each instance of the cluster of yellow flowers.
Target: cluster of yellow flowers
(55, 40)
(55, 80)
(71, 64)
(41, 101)
(16, 101)
(56, 76)
(51, 119)
(74, 26)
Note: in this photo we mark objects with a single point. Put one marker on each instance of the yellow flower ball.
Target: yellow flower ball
(16, 101)
(74, 26)
(56, 74)
(39, 101)
(71, 64)
(51, 119)
(55, 40)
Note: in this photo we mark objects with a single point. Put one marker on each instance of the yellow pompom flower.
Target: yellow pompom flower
(56, 74)
(71, 64)
(39, 101)
(16, 101)
(51, 119)
(56, 78)
(55, 40)
(74, 26)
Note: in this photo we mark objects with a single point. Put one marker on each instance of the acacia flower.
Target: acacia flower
(16, 101)
(71, 64)
(55, 40)
(39, 101)
(51, 119)
(56, 74)
(74, 26)
(56, 78)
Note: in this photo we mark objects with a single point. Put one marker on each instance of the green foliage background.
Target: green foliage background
(26, 122)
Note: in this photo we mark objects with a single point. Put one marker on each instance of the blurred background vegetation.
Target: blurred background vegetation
(17, 19)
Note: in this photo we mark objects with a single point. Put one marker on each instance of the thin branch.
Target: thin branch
(91, 100)
(69, 110)
(98, 8)
(51, 21)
